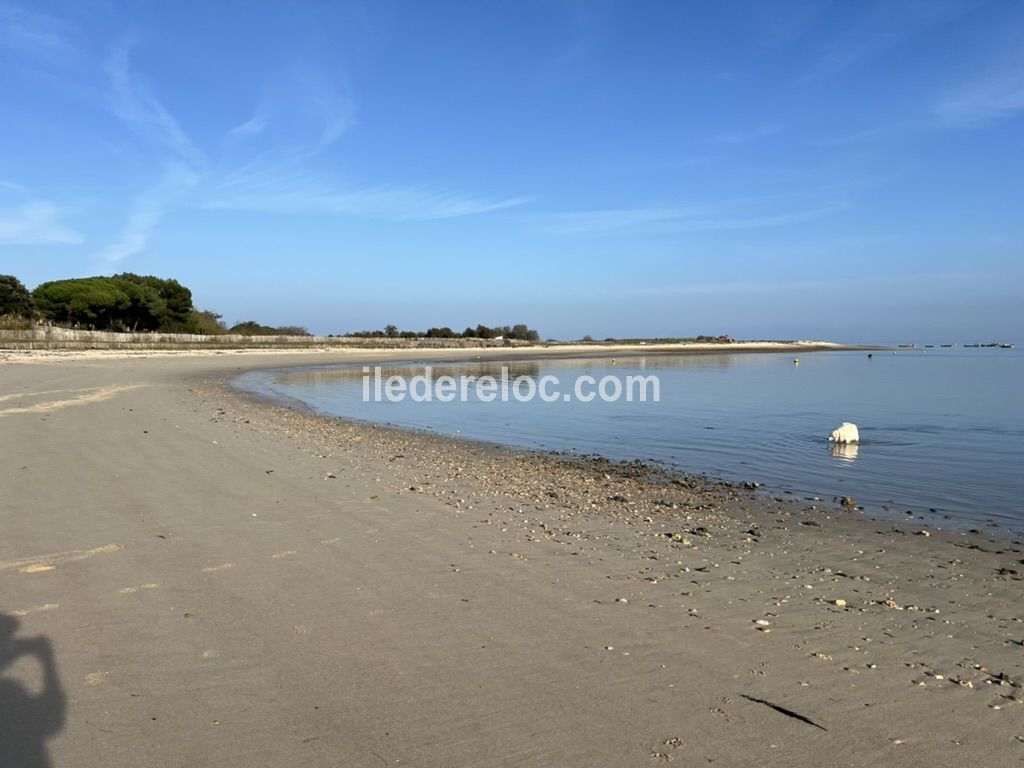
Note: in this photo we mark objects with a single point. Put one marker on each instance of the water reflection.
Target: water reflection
(844, 451)
(533, 369)
(331, 376)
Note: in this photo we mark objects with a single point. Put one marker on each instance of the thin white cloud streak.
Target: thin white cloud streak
(334, 107)
(897, 129)
(254, 126)
(705, 218)
(35, 34)
(814, 284)
(310, 105)
(134, 238)
(741, 137)
(35, 223)
(594, 222)
(883, 27)
(284, 190)
(871, 287)
(380, 202)
(147, 212)
(983, 102)
(134, 105)
(586, 26)
(13, 186)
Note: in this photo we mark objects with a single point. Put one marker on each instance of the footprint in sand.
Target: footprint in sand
(95, 678)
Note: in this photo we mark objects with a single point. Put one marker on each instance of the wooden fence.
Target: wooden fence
(45, 337)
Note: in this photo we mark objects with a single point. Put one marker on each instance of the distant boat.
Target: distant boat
(972, 346)
(907, 346)
(947, 346)
(1006, 346)
(929, 346)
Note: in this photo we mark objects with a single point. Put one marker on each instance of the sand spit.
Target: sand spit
(361, 353)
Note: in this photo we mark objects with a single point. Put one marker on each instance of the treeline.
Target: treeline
(252, 328)
(129, 302)
(515, 332)
(720, 339)
(122, 302)
(125, 302)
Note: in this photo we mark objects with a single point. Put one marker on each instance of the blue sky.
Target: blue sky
(794, 169)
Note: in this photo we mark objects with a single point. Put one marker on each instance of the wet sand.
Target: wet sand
(224, 582)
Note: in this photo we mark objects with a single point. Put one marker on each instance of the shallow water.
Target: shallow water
(942, 430)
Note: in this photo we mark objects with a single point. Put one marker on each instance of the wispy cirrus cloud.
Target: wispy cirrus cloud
(742, 137)
(733, 287)
(329, 101)
(35, 34)
(693, 218)
(135, 105)
(878, 28)
(13, 186)
(254, 126)
(306, 109)
(147, 211)
(895, 129)
(304, 97)
(133, 102)
(983, 101)
(289, 190)
(35, 223)
(598, 221)
(312, 106)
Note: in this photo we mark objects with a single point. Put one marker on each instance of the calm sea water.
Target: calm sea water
(942, 430)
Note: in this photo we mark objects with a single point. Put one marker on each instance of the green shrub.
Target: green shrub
(14, 297)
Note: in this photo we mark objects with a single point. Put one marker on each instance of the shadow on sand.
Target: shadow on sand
(27, 720)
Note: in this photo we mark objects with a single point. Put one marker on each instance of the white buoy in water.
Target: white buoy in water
(845, 433)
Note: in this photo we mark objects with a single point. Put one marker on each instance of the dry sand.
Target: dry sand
(222, 582)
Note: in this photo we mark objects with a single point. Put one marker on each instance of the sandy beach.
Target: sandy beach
(189, 576)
